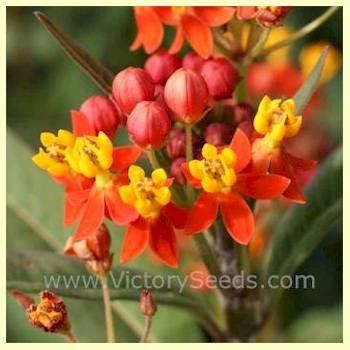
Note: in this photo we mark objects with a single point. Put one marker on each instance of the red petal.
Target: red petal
(240, 144)
(176, 215)
(261, 186)
(203, 213)
(119, 212)
(238, 218)
(81, 125)
(124, 156)
(150, 28)
(281, 166)
(198, 35)
(135, 240)
(301, 164)
(178, 41)
(163, 241)
(92, 217)
(195, 183)
(214, 16)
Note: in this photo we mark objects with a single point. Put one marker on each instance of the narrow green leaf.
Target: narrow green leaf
(304, 226)
(305, 92)
(90, 64)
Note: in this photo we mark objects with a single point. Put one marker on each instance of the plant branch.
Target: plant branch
(307, 29)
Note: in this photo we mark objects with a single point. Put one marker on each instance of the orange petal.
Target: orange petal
(136, 44)
(198, 35)
(281, 166)
(150, 28)
(178, 41)
(240, 144)
(124, 156)
(238, 218)
(166, 15)
(92, 217)
(176, 215)
(71, 212)
(81, 125)
(162, 241)
(203, 213)
(119, 212)
(214, 16)
(261, 186)
(246, 12)
(77, 197)
(261, 158)
(135, 240)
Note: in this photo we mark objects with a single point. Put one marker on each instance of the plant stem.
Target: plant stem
(69, 337)
(189, 157)
(310, 27)
(108, 308)
(207, 255)
(256, 49)
(147, 329)
(152, 158)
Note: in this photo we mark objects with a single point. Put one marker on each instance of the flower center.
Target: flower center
(91, 155)
(147, 195)
(46, 315)
(216, 171)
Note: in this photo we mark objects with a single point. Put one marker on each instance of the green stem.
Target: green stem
(207, 254)
(310, 27)
(256, 49)
(146, 331)
(108, 308)
(152, 158)
(189, 157)
(69, 336)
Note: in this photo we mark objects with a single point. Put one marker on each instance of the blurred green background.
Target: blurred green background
(43, 85)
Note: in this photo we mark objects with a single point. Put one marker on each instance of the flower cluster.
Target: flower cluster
(184, 114)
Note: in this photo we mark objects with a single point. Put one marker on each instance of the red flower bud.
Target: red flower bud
(221, 77)
(193, 61)
(161, 65)
(176, 170)
(147, 305)
(93, 250)
(159, 94)
(186, 94)
(272, 15)
(148, 124)
(242, 112)
(102, 113)
(176, 143)
(218, 134)
(131, 86)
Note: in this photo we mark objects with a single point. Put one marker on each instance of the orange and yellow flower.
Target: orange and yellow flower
(157, 216)
(220, 175)
(276, 121)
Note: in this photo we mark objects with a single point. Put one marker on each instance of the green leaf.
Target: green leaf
(90, 64)
(305, 92)
(34, 225)
(318, 325)
(304, 226)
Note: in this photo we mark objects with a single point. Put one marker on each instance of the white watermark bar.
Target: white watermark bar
(194, 280)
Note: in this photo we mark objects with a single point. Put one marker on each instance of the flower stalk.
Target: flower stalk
(111, 338)
(189, 157)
